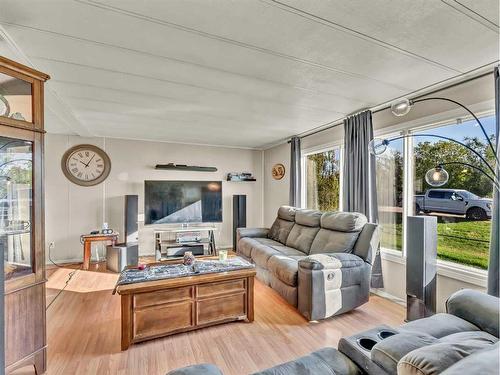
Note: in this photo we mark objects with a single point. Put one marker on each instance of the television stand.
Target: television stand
(173, 242)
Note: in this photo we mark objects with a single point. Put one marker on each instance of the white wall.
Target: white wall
(72, 210)
(477, 94)
(276, 192)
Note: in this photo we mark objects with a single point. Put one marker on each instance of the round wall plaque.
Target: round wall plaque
(278, 171)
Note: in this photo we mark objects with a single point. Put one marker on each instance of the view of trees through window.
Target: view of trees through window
(323, 180)
(463, 205)
(389, 169)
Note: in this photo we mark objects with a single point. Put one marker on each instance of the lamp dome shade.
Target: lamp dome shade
(437, 176)
(401, 107)
(378, 146)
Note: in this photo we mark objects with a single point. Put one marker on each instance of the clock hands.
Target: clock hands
(86, 165)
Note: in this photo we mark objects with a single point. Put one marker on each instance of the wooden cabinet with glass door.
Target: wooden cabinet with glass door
(21, 214)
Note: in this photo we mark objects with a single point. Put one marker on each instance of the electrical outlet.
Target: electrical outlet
(52, 244)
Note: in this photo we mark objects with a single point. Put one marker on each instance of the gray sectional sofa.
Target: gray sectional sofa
(320, 262)
(462, 341)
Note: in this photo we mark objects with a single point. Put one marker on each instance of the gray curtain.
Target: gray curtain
(360, 194)
(494, 260)
(295, 172)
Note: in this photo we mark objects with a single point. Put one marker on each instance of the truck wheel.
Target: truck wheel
(417, 209)
(476, 213)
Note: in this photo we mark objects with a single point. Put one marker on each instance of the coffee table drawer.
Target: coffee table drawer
(163, 319)
(162, 296)
(220, 308)
(223, 287)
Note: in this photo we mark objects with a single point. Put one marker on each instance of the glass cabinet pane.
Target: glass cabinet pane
(16, 163)
(16, 99)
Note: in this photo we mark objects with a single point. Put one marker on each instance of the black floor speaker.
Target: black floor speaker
(239, 215)
(421, 271)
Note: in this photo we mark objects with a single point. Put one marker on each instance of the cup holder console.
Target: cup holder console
(366, 343)
(359, 347)
(386, 334)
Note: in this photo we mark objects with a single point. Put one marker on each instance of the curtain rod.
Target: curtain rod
(384, 107)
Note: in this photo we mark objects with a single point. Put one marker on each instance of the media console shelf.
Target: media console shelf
(173, 242)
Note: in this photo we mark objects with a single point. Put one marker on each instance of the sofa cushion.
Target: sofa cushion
(280, 230)
(268, 242)
(245, 246)
(329, 241)
(439, 325)
(262, 253)
(485, 314)
(309, 218)
(284, 268)
(485, 361)
(202, 369)
(343, 221)
(287, 213)
(434, 359)
(388, 352)
(326, 361)
(301, 237)
(289, 251)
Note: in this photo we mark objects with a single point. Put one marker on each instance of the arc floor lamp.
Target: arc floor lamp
(422, 238)
(438, 176)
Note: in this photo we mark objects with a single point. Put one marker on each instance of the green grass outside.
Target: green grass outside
(465, 242)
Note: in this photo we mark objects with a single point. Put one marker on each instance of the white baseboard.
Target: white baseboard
(382, 293)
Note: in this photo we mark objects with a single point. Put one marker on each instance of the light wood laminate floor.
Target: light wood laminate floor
(83, 329)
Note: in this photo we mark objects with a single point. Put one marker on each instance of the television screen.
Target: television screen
(170, 202)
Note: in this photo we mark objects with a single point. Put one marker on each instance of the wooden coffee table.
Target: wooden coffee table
(159, 308)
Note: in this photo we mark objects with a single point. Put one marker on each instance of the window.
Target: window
(463, 205)
(389, 169)
(322, 183)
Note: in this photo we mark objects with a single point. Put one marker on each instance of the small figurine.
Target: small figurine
(188, 258)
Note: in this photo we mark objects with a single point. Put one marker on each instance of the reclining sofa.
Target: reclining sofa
(462, 341)
(319, 262)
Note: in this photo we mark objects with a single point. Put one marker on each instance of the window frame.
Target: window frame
(339, 145)
(449, 269)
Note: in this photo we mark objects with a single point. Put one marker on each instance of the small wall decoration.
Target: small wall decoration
(278, 171)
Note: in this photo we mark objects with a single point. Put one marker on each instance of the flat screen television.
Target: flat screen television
(170, 202)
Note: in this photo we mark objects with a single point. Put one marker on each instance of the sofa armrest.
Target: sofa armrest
(251, 232)
(320, 262)
(476, 307)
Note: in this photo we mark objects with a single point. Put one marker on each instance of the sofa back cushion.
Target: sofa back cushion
(280, 230)
(343, 221)
(339, 232)
(283, 224)
(304, 230)
(330, 241)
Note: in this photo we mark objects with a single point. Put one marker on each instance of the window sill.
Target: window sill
(451, 270)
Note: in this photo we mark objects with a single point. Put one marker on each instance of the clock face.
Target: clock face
(86, 165)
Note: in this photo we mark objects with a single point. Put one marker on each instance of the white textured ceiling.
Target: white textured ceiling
(244, 73)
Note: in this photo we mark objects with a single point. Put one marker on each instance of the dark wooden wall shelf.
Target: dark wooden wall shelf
(183, 167)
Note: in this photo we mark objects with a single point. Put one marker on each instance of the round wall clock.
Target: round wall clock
(86, 165)
(278, 171)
